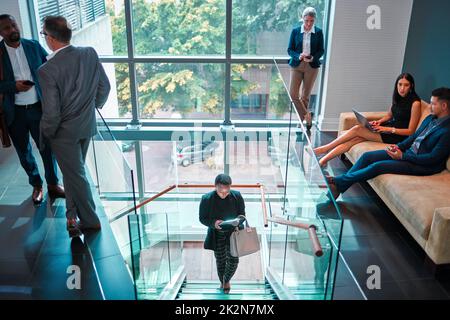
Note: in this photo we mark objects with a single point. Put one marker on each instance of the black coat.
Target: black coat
(208, 216)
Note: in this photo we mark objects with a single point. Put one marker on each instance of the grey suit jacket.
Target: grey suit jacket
(73, 84)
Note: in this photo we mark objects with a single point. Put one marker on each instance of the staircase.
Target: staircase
(240, 290)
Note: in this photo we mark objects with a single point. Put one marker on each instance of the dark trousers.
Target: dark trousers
(226, 264)
(26, 122)
(375, 163)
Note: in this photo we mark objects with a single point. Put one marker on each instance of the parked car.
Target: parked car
(195, 153)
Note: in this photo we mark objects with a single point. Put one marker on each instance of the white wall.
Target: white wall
(362, 64)
(18, 9)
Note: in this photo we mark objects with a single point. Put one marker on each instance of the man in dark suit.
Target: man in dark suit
(215, 207)
(306, 47)
(74, 84)
(20, 60)
(423, 153)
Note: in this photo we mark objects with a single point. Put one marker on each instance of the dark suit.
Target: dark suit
(295, 47)
(22, 121)
(430, 159)
(303, 72)
(74, 84)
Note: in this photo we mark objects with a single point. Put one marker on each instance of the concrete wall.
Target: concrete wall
(362, 64)
(427, 55)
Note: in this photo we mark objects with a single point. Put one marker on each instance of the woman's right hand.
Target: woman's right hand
(375, 123)
(216, 225)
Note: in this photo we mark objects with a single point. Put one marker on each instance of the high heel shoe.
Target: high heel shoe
(226, 288)
(308, 119)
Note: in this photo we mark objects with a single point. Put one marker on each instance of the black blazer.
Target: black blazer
(295, 47)
(434, 149)
(208, 217)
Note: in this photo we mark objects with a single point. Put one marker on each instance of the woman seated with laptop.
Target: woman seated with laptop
(400, 122)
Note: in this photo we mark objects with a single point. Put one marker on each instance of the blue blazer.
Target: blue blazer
(434, 150)
(296, 47)
(36, 56)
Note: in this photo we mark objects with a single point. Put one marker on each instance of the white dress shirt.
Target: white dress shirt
(307, 40)
(22, 71)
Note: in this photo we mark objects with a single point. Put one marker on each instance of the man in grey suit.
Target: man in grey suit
(73, 83)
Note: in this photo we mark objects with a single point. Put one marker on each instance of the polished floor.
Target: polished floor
(37, 258)
(36, 253)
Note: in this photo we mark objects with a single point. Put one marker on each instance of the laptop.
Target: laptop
(363, 120)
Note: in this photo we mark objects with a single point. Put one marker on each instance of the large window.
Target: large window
(188, 59)
(179, 27)
(263, 27)
(180, 90)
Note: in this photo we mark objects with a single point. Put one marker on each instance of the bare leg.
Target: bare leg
(355, 132)
(340, 149)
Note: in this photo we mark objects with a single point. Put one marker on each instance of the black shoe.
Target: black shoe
(73, 228)
(37, 195)
(226, 288)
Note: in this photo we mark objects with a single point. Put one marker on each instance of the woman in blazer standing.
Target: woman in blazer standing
(306, 47)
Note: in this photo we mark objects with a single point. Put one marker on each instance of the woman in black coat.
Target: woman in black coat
(215, 207)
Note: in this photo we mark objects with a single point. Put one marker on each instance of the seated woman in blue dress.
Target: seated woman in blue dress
(400, 122)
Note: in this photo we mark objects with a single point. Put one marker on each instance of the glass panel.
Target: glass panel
(193, 27)
(151, 258)
(157, 246)
(105, 156)
(119, 101)
(180, 91)
(112, 175)
(258, 93)
(263, 27)
(305, 201)
(252, 160)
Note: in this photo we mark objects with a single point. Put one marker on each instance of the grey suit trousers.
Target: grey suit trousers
(71, 157)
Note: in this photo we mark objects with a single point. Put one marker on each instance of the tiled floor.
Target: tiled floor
(36, 252)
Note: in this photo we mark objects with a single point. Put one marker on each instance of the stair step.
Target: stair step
(230, 296)
(215, 285)
(219, 291)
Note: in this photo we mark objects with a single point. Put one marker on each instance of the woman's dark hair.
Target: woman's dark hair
(223, 179)
(412, 93)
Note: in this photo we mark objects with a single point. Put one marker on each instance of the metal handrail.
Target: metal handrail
(317, 248)
(187, 186)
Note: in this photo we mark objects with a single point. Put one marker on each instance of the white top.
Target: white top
(22, 71)
(53, 54)
(307, 40)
